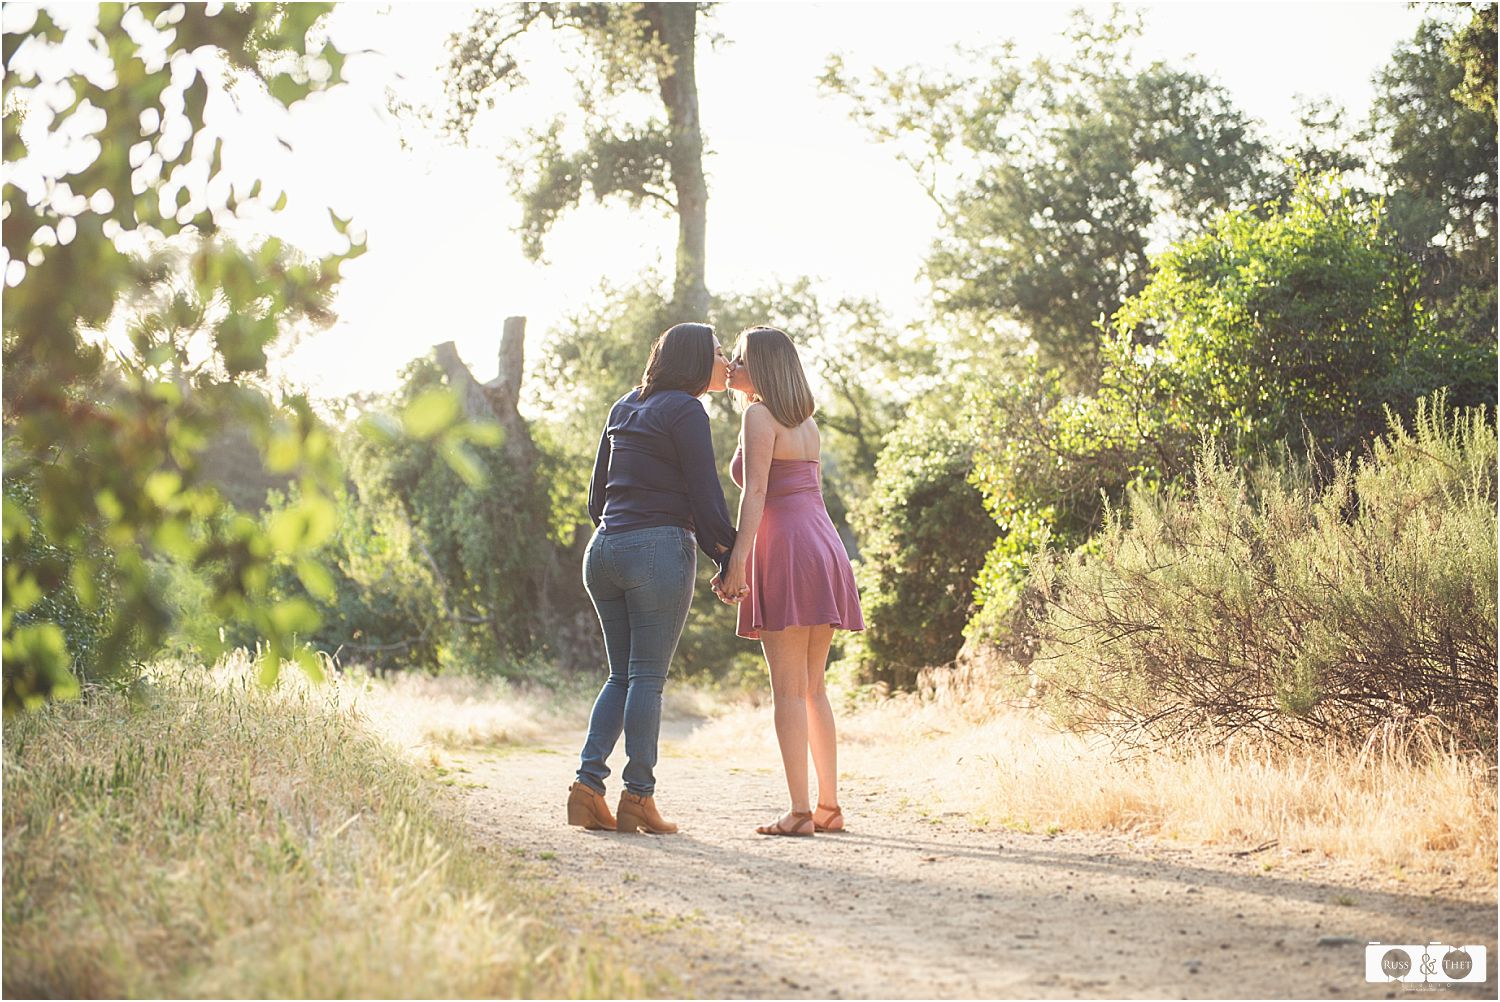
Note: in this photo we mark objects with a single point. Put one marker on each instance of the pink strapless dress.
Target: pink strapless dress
(799, 572)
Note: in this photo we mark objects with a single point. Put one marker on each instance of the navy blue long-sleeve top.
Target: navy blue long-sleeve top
(655, 466)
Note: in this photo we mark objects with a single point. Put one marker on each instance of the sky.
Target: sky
(796, 188)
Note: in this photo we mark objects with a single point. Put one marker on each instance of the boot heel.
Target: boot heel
(627, 823)
(580, 815)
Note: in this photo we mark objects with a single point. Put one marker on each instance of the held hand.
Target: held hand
(734, 587)
(724, 595)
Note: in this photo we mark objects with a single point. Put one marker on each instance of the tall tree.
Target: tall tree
(1438, 133)
(1473, 48)
(1068, 173)
(635, 49)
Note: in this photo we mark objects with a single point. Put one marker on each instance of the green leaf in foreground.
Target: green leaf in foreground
(435, 411)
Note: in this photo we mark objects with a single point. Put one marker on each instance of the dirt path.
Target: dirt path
(903, 906)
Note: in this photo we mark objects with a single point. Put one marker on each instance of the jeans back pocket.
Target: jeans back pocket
(633, 564)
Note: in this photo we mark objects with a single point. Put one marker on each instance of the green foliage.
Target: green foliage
(427, 567)
(1472, 48)
(1271, 602)
(1074, 167)
(1046, 463)
(923, 532)
(1435, 115)
(1286, 324)
(377, 600)
(112, 457)
(61, 610)
(1441, 152)
(1301, 321)
(470, 539)
(110, 444)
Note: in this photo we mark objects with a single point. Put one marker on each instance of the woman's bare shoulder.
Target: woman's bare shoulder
(758, 416)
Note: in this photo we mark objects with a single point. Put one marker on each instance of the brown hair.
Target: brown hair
(681, 359)
(777, 374)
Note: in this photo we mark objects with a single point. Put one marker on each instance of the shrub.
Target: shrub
(72, 589)
(1267, 601)
(1291, 325)
(1304, 320)
(924, 533)
(426, 568)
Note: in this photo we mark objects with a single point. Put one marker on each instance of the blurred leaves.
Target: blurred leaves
(103, 446)
(412, 565)
(431, 412)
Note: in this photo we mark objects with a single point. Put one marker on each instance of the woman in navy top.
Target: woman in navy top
(654, 499)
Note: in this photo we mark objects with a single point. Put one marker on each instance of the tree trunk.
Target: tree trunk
(496, 400)
(504, 395)
(560, 612)
(476, 407)
(676, 25)
(504, 391)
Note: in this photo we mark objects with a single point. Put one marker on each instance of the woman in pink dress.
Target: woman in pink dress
(789, 571)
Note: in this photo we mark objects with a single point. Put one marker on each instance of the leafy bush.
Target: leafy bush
(1293, 324)
(1304, 321)
(72, 589)
(425, 564)
(924, 533)
(1271, 602)
(384, 608)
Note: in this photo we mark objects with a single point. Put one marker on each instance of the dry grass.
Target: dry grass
(1403, 803)
(216, 840)
(419, 712)
(455, 712)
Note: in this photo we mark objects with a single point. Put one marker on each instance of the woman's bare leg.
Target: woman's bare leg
(786, 655)
(822, 737)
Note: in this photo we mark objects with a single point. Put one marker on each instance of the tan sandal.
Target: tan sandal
(799, 819)
(830, 827)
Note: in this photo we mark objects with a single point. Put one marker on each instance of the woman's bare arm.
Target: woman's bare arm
(759, 431)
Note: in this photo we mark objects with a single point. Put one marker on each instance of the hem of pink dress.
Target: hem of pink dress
(756, 631)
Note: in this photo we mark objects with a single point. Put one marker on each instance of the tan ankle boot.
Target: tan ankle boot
(587, 809)
(639, 814)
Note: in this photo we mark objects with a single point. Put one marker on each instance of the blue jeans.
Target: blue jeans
(641, 583)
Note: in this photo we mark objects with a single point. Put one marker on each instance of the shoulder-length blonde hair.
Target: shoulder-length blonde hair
(777, 374)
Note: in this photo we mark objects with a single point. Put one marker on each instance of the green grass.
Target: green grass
(213, 839)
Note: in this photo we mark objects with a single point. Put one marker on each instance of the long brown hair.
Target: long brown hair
(681, 359)
(776, 371)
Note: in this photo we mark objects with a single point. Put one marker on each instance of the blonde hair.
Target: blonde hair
(777, 374)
